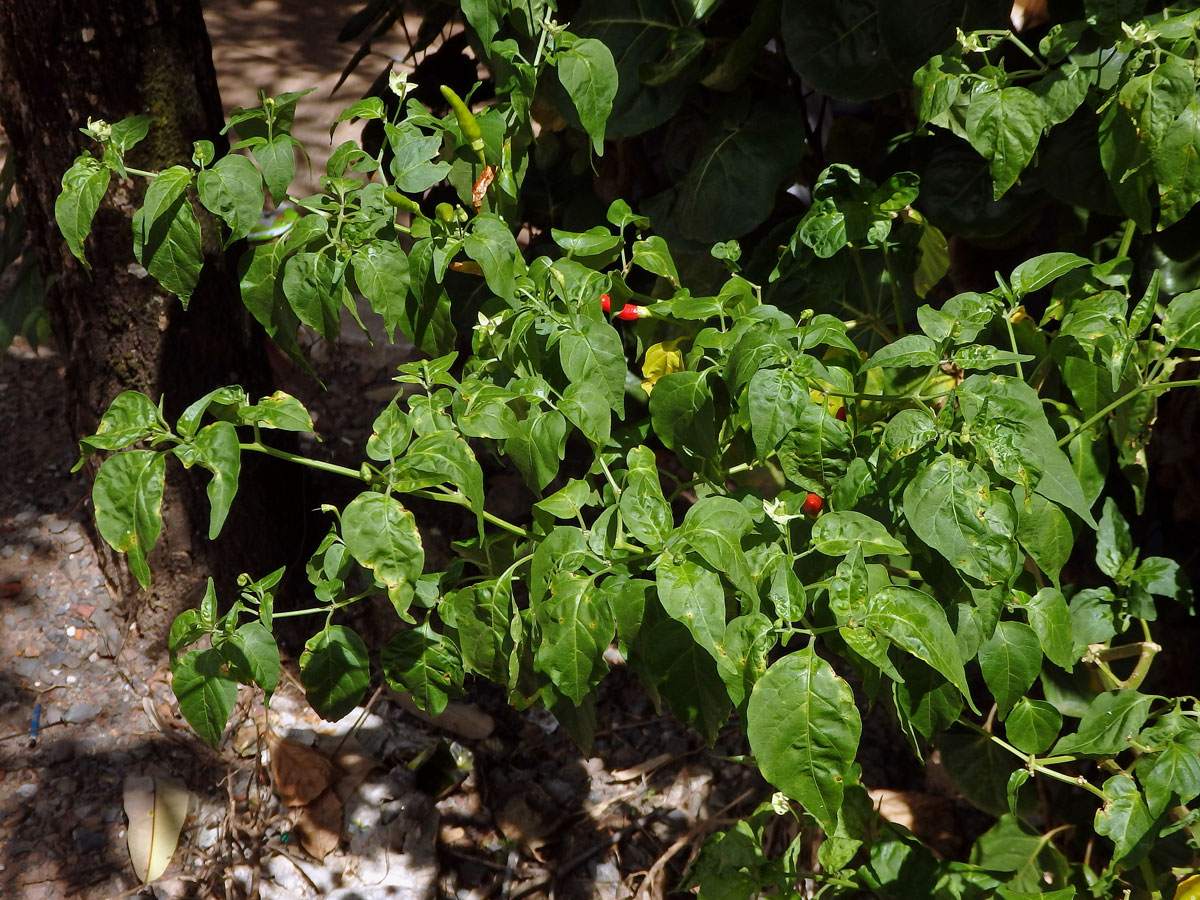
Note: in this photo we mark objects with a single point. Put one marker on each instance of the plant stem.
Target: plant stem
(1141, 388)
(1127, 237)
(132, 171)
(259, 447)
(1034, 764)
(897, 309)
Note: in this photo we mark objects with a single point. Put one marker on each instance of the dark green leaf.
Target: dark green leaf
(577, 625)
(381, 273)
(334, 671)
(277, 160)
(205, 693)
(917, 624)
(233, 190)
(804, 730)
(592, 354)
(1004, 126)
(1124, 818)
(253, 655)
(684, 416)
(382, 536)
(1112, 720)
(692, 595)
(952, 508)
(1051, 620)
(83, 187)
(836, 533)
(493, 246)
(425, 665)
(1177, 166)
(1010, 660)
(714, 527)
(587, 71)
(127, 497)
(1032, 725)
(644, 510)
(166, 233)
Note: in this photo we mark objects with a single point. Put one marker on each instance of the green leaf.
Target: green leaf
(577, 625)
(714, 527)
(233, 190)
(308, 284)
(166, 233)
(1112, 720)
(738, 169)
(917, 624)
(1037, 272)
(1173, 772)
(1004, 127)
(1152, 101)
(849, 590)
(481, 617)
(653, 255)
(381, 273)
(131, 417)
(589, 75)
(836, 533)
(1115, 555)
(1010, 846)
(205, 693)
(253, 655)
(1124, 818)
(741, 654)
(951, 507)
(683, 413)
(1032, 725)
(127, 498)
(668, 659)
(1050, 619)
(1044, 532)
(216, 448)
(538, 446)
(913, 350)
(692, 595)
(83, 187)
(493, 246)
(280, 410)
(382, 536)
(588, 410)
(1181, 321)
(776, 397)
(186, 629)
(335, 671)
(804, 730)
(277, 160)
(975, 356)
(815, 453)
(1010, 660)
(591, 354)
(1177, 167)
(644, 509)
(425, 665)
(412, 150)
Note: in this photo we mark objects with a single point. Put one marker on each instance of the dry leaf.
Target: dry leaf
(301, 774)
(464, 719)
(156, 808)
(643, 768)
(355, 764)
(320, 825)
(479, 191)
(523, 825)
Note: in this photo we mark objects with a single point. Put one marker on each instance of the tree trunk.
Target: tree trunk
(61, 62)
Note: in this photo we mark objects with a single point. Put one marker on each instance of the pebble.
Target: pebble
(26, 791)
(82, 712)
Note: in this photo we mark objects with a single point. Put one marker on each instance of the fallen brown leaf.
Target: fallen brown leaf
(320, 825)
(301, 774)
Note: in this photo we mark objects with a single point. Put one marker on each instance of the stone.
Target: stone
(82, 712)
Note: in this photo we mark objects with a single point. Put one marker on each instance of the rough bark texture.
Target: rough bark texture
(61, 62)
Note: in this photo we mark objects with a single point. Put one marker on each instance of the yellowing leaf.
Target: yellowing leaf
(664, 358)
(933, 255)
(1188, 889)
(156, 808)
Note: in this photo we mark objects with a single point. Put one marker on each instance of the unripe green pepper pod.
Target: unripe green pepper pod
(467, 123)
(445, 212)
(398, 200)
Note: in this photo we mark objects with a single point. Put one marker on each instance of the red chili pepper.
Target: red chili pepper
(605, 303)
(631, 312)
(812, 504)
(840, 415)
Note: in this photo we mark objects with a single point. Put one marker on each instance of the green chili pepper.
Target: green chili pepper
(445, 212)
(467, 123)
(398, 200)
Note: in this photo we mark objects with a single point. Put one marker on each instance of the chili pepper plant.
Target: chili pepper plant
(791, 485)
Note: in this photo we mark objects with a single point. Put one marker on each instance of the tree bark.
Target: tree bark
(61, 62)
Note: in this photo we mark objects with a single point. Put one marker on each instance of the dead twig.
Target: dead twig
(652, 874)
